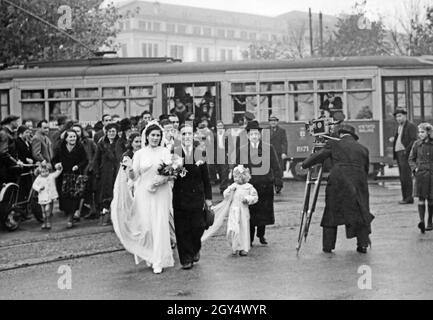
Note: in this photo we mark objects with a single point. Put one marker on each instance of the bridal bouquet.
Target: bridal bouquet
(172, 168)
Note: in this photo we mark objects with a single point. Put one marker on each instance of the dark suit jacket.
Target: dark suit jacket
(42, 148)
(24, 151)
(279, 141)
(190, 191)
(408, 137)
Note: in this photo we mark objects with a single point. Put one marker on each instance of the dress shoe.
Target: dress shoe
(157, 270)
(429, 227)
(409, 201)
(421, 226)
(196, 257)
(327, 250)
(187, 266)
(278, 190)
(263, 240)
(243, 253)
(361, 249)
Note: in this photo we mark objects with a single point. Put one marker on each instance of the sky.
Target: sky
(390, 10)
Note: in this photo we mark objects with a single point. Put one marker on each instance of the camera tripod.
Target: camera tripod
(311, 193)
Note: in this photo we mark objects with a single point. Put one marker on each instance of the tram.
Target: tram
(370, 89)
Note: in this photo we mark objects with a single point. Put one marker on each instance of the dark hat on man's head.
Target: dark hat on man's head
(249, 116)
(399, 110)
(273, 118)
(9, 119)
(253, 125)
(125, 124)
(345, 128)
(163, 116)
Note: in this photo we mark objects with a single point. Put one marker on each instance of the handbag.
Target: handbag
(74, 185)
(209, 216)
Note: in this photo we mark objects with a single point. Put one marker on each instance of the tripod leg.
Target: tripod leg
(305, 207)
(314, 202)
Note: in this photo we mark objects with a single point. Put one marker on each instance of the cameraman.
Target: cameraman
(347, 196)
(8, 152)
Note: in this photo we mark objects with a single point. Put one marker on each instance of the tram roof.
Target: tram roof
(122, 66)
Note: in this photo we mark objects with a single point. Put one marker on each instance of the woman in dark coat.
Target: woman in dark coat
(346, 196)
(264, 176)
(24, 153)
(72, 156)
(106, 165)
(421, 163)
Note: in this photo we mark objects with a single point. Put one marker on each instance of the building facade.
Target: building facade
(157, 29)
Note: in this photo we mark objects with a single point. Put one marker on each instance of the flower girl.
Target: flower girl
(237, 198)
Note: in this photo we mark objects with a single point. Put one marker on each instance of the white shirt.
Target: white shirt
(398, 144)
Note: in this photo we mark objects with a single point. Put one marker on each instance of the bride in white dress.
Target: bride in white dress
(141, 220)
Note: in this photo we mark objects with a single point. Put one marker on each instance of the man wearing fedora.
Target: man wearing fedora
(279, 142)
(404, 137)
(8, 152)
(346, 195)
(260, 157)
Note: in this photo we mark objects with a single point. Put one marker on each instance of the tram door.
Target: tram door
(415, 94)
(4, 104)
(202, 99)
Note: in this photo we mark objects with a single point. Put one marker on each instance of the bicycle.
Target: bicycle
(11, 209)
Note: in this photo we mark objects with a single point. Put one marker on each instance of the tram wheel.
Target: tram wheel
(299, 173)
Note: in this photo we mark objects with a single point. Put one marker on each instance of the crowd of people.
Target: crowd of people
(108, 171)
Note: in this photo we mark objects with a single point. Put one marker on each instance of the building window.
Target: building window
(196, 30)
(223, 54)
(207, 32)
(244, 35)
(274, 37)
(199, 54)
(253, 36)
(181, 28)
(229, 54)
(171, 27)
(124, 50)
(145, 25)
(127, 25)
(230, 34)
(149, 50)
(206, 54)
(176, 51)
(264, 37)
(202, 54)
(156, 26)
(221, 33)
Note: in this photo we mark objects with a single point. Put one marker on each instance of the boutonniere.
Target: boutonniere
(199, 163)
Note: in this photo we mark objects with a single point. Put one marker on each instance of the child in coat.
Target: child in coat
(45, 185)
(421, 163)
(242, 195)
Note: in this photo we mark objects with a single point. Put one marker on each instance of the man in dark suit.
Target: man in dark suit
(279, 142)
(347, 197)
(8, 152)
(221, 155)
(42, 147)
(260, 157)
(190, 194)
(404, 137)
(106, 120)
(24, 154)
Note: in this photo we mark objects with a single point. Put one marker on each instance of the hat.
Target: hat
(9, 119)
(273, 118)
(399, 110)
(253, 125)
(345, 128)
(249, 116)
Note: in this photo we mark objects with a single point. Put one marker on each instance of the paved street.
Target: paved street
(400, 260)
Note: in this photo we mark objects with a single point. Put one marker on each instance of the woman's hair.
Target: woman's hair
(151, 128)
(427, 127)
(66, 135)
(81, 128)
(42, 166)
(242, 172)
(22, 129)
(131, 140)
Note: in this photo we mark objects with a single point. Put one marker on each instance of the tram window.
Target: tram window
(428, 106)
(113, 92)
(244, 87)
(389, 105)
(428, 85)
(59, 93)
(60, 108)
(4, 104)
(87, 93)
(359, 105)
(241, 104)
(389, 86)
(359, 84)
(32, 94)
(137, 106)
(301, 86)
(302, 105)
(87, 111)
(330, 85)
(416, 106)
(271, 86)
(401, 100)
(401, 85)
(33, 110)
(141, 91)
(272, 105)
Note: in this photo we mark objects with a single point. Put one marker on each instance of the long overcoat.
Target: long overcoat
(421, 163)
(262, 213)
(346, 196)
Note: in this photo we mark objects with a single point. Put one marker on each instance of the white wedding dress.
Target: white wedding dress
(141, 220)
